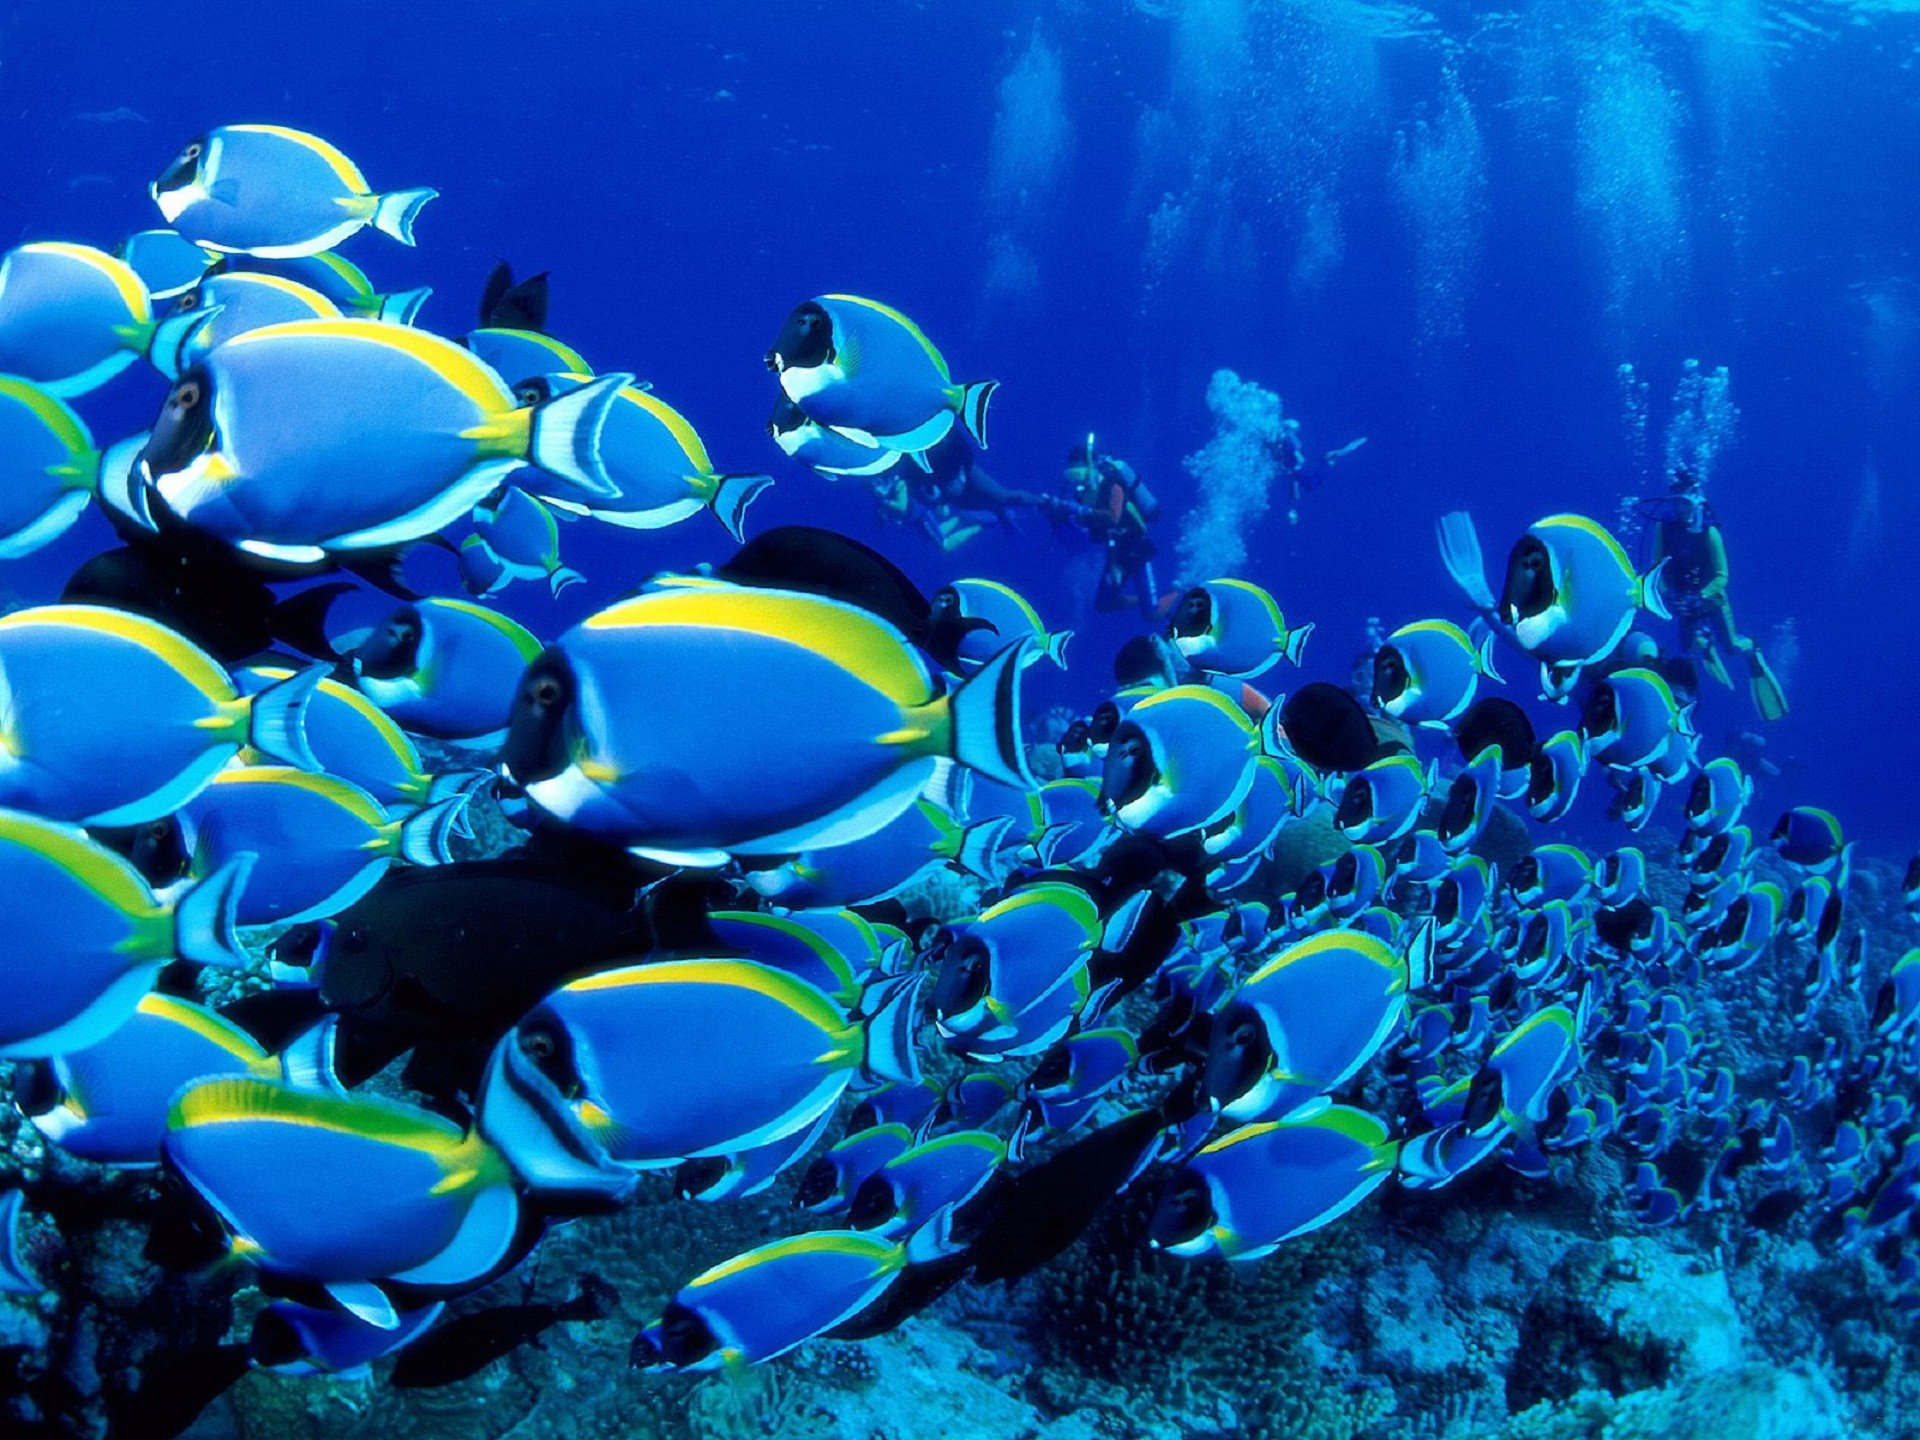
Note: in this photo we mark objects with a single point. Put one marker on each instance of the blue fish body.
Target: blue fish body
(789, 1053)
(1383, 801)
(850, 737)
(75, 963)
(1197, 766)
(1442, 668)
(1244, 634)
(852, 1161)
(114, 1094)
(1554, 774)
(761, 1304)
(1011, 617)
(1271, 1182)
(459, 682)
(167, 263)
(916, 1186)
(387, 1192)
(71, 317)
(50, 468)
(242, 302)
(270, 191)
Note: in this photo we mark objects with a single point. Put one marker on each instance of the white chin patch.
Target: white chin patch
(563, 795)
(174, 203)
(1535, 630)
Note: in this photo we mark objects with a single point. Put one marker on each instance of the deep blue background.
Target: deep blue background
(1741, 192)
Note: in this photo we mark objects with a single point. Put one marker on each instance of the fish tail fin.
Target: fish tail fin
(1293, 644)
(1486, 659)
(1460, 553)
(562, 577)
(300, 620)
(732, 494)
(1273, 740)
(950, 789)
(395, 212)
(986, 720)
(1420, 958)
(1057, 647)
(1647, 596)
(972, 401)
(401, 306)
(978, 844)
(426, 834)
(564, 438)
(171, 345)
(919, 458)
(204, 925)
(933, 1240)
(892, 1009)
(277, 718)
(308, 1061)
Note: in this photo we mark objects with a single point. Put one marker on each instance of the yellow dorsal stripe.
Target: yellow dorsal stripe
(97, 868)
(404, 753)
(350, 274)
(1366, 946)
(883, 1253)
(522, 638)
(460, 368)
(322, 307)
(192, 663)
(65, 426)
(912, 329)
(676, 424)
(349, 797)
(132, 288)
(861, 644)
(208, 1026)
(1593, 528)
(348, 172)
(776, 985)
(240, 1100)
(1436, 627)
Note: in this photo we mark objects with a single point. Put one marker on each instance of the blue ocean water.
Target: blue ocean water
(1446, 231)
(1533, 255)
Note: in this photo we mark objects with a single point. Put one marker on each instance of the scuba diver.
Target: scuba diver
(1105, 497)
(1687, 537)
(953, 498)
(1292, 456)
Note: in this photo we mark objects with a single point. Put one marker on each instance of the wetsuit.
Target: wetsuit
(1117, 515)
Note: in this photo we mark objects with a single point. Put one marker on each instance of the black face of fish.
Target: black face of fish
(184, 430)
(1542, 783)
(1883, 1003)
(1832, 915)
(1356, 803)
(1533, 944)
(1346, 874)
(685, 1339)
(1130, 771)
(183, 169)
(1446, 902)
(1911, 884)
(821, 1178)
(157, 849)
(1239, 1055)
(1601, 712)
(786, 417)
(1484, 1098)
(1185, 1210)
(1622, 925)
(874, 1203)
(545, 1041)
(1457, 817)
(1494, 721)
(965, 973)
(804, 342)
(1700, 797)
(1389, 675)
(1715, 855)
(1529, 587)
(1052, 1072)
(1526, 874)
(538, 744)
(696, 1177)
(1076, 740)
(393, 649)
(1105, 720)
(1194, 615)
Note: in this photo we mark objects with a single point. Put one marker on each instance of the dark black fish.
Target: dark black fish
(172, 1397)
(216, 600)
(507, 304)
(1328, 728)
(451, 956)
(1494, 721)
(1045, 1209)
(467, 1344)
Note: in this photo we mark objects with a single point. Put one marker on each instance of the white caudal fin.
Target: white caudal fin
(565, 437)
(204, 925)
(395, 212)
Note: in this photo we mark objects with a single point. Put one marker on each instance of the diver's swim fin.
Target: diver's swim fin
(1715, 666)
(1768, 698)
(1460, 552)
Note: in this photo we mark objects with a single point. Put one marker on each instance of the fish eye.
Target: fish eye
(538, 1044)
(527, 395)
(186, 395)
(546, 692)
(188, 301)
(192, 152)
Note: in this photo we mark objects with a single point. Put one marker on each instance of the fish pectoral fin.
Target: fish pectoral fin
(366, 1302)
